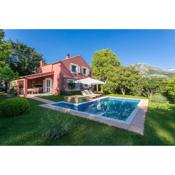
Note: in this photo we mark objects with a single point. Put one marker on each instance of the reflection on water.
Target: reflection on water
(112, 108)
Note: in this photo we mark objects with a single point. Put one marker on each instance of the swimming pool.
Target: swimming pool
(111, 108)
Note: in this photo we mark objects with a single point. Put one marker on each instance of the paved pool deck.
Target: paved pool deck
(41, 100)
(136, 125)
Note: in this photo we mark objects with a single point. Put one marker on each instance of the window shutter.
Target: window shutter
(87, 71)
(79, 69)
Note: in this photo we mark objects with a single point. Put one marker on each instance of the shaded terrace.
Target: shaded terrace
(35, 84)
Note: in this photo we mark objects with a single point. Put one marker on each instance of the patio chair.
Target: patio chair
(36, 90)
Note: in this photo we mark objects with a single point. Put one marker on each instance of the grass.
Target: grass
(28, 128)
(127, 96)
(53, 97)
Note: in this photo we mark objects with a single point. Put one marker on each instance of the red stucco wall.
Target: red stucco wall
(61, 72)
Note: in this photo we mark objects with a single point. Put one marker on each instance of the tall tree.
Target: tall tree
(170, 87)
(6, 73)
(151, 86)
(123, 80)
(4, 48)
(23, 59)
(127, 80)
(104, 62)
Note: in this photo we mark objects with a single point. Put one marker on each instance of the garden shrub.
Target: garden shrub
(13, 91)
(71, 85)
(159, 98)
(2, 88)
(14, 107)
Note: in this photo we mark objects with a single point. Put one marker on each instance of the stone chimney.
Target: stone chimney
(67, 56)
(42, 63)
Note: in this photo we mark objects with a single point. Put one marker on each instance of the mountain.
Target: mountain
(150, 70)
(171, 70)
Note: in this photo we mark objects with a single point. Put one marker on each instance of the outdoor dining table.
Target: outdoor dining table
(33, 90)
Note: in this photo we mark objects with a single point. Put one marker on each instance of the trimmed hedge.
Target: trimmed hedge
(14, 107)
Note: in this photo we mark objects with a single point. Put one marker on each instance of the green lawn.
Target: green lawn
(53, 97)
(28, 128)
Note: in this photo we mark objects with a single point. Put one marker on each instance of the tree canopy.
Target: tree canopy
(170, 87)
(104, 62)
(1, 34)
(4, 47)
(151, 86)
(6, 73)
(127, 79)
(122, 80)
(23, 59)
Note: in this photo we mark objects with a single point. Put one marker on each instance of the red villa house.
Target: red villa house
(55, 77)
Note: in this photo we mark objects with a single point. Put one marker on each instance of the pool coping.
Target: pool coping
(134, 123)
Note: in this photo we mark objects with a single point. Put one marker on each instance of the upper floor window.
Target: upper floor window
(74, 68)
(85, 71)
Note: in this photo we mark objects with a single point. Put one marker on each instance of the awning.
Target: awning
(89, 81)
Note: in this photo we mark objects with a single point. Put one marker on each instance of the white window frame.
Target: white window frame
(87, 70)
(72, 64)
(45, 85)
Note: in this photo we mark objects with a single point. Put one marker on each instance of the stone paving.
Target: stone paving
(41, 100)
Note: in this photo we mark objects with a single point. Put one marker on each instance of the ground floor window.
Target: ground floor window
(72, 86)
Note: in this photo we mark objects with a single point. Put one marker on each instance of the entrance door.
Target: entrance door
(48, 85)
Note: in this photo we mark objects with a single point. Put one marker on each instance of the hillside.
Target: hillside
(149, 70)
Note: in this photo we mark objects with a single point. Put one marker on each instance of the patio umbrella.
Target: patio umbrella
(89, 81)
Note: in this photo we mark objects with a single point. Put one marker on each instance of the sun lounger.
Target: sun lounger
(89, 94)
(98, 95)
(86, 94)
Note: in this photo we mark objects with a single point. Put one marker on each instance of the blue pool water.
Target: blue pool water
(113, 108)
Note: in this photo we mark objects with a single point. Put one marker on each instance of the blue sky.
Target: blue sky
(156, 47)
